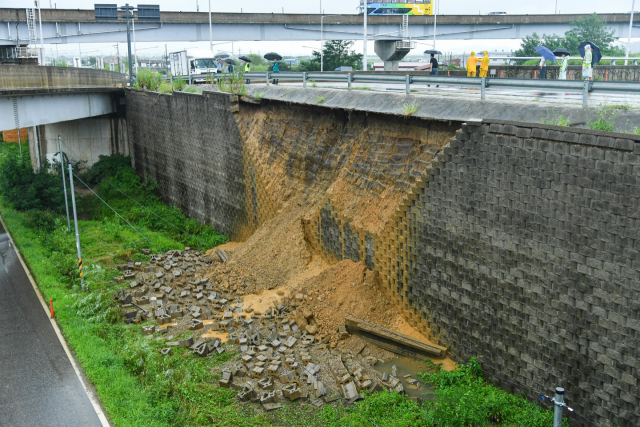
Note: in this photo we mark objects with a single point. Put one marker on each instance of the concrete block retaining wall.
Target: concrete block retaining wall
(523, 247)
(190, 144)
(515, 242)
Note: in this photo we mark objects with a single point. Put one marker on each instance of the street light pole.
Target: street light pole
(41, 36)
(365, 66)
(633, 6)
(210, 30)
(435, 20)
(129, 46)
(321, 43)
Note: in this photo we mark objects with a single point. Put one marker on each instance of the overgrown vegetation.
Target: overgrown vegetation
(336, 53)
(321, 99)
(233, 84)
(140, 387)
(258, 95)
(559, 121)
(605, 122)
(409, 109)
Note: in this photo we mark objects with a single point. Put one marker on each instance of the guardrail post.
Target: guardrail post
(483, 86)
(304, 79)
(267, 78)
(171, 79)
(189, 78)
(585, 93)
(408, 84)
(349, 76)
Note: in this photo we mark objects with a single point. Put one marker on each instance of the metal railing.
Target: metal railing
(513, 59)
(482, 83)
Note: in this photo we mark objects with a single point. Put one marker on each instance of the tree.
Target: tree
(527, 47)
(256, 59)
(591, 28)
(336, 54)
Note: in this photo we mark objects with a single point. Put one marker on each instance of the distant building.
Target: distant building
(151, 63)
(291, 61)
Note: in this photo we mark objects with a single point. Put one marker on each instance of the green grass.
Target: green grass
(560, 121)
(258, 95)
(605, 122)
(139, 387)
(321, 99)
(409, 109)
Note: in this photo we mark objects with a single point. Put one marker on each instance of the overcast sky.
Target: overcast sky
(448, 7)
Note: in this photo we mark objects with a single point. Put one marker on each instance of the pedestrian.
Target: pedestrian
(231, 68)
(276, 69)
(472, 63)
(219, 66)
(543, 68)
(563, 67)
(587, 69)
(433, 65)
(484, 64)
(247, 69)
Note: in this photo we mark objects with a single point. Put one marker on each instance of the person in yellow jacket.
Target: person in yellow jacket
(472, 63)
(484, 64)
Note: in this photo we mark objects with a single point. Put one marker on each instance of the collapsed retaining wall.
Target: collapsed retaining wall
(515, 242)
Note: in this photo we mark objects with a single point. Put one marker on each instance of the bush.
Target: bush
(148, 80)
(27, 189)
(605, 122)
(106, 166)
(165, 87)
(179, 84)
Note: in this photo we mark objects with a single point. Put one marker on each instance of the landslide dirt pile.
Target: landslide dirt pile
(298, 160)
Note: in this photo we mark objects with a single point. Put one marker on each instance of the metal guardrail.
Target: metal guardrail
(482, 83)
(513, 59)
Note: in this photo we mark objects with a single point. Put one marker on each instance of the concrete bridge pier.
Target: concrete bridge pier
(391, 52)
(82, 140)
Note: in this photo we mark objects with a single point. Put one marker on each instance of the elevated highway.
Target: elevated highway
(62, 26)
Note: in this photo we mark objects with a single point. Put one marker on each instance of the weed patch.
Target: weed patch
(321, 99)
(409, 109)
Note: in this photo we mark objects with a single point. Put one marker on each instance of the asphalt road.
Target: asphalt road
(38, 385)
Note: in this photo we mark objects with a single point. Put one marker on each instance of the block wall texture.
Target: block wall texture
(518, 243)
(191, 146)
(522, 246)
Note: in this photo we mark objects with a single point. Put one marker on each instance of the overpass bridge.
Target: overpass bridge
(62, 26)
(84, 106)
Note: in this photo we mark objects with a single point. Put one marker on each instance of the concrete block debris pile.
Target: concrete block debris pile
(278, 356)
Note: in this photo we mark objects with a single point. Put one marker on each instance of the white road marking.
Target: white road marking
(92, 397)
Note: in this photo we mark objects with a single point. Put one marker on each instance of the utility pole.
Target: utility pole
(365, 65)
(64, 184)
(633, 7)
(75, 219)
(135, 49)
(558, 405)
(120, 70)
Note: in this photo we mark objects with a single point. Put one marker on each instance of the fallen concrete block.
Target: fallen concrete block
(226, 379)
(149, 330)
(195, 325)
(188, 342)
(165, 351)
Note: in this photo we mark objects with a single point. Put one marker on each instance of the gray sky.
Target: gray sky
(330, 7)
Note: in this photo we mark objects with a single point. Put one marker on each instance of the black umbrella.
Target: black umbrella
(230, 61)
(244, 58)
(595, 50)
(561, 51)
(272, 55)
(221, 55)
(432, 52)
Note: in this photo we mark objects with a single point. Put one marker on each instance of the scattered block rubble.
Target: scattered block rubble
(280, 357)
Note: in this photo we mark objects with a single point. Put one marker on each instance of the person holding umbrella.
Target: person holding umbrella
(564, 65)
(563, 68)
(272, 56)
(219, 66)
(247, 66)
(547, 55)
(587, 61)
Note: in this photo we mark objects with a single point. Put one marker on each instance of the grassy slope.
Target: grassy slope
(139, 387)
